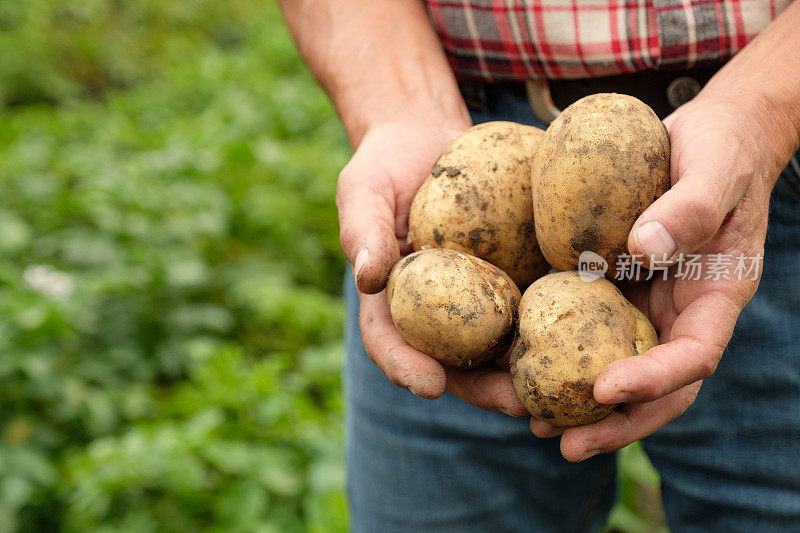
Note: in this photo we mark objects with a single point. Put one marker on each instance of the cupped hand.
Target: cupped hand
(374, 194)
(722, 174)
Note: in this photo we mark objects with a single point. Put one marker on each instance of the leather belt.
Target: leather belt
(662, 90)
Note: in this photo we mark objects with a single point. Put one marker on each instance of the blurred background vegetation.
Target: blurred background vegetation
(170, 275)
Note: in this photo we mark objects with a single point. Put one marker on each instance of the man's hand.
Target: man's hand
(729, 145)
(374, 195)
(722, 177)
(401, 107)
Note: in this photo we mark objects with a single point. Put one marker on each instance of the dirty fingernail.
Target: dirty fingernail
(622, 397)
(589, 454)
(361, 259)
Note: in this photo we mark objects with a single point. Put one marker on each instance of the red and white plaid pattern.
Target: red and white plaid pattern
(495, 40)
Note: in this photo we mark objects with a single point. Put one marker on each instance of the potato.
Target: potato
(569, 330)
(457, 308)
(602, 162)
(477, 200)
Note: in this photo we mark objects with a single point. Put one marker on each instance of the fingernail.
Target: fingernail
(589, 454)
(542, 429)
(509, 413)
(655, 240)
(622, 397)
(361, 258)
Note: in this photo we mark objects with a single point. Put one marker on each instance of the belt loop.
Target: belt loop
(540, 100)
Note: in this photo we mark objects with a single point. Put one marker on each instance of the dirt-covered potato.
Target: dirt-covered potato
(452, 306)
(602, 162)
(477, 200)
(569, 330)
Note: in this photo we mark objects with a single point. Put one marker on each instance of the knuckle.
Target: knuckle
(604, 443)
(706, 212)
(346, 236)
(654, 388)
(342, 184)
(708, 367)
(650, 391)
(397, 368)
(366, 317)
(688, 399)
(694, 390)
(346, 173)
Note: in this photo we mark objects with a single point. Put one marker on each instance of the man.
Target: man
(730, 462)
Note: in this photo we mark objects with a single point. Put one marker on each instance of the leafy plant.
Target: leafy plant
(169, 272)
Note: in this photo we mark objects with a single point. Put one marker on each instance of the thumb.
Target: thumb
(365, 200)
(685, 217)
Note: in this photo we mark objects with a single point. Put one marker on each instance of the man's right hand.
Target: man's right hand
(401, 107)
(374, 195)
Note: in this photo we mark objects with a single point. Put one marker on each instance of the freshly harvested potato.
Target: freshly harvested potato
(457, 308)
(602, 162)
(477, 200)
(569, 331)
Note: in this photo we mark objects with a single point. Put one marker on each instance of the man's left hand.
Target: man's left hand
(722, 177)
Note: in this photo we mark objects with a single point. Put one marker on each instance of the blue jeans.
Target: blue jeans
(730, 463)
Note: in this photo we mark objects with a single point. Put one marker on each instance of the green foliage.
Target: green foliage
(639, 507)
(170, 275)
(169, 272)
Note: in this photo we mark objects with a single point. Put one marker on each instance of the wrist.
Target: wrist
(780, 124)
(361, 112)
(761, 81)
(760, 119)
(776, 120)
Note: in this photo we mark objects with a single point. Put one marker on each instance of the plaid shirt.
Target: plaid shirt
(495, 40)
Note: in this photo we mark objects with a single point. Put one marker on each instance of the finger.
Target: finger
(486, 387)
(542, 429)
(638, 294)
(366, 224)
(626, 425)
(698, 339)
(402, 364)
(504, 361)
(689, 214)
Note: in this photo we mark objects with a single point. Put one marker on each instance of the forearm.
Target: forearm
(379, 60)
(765, 79)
